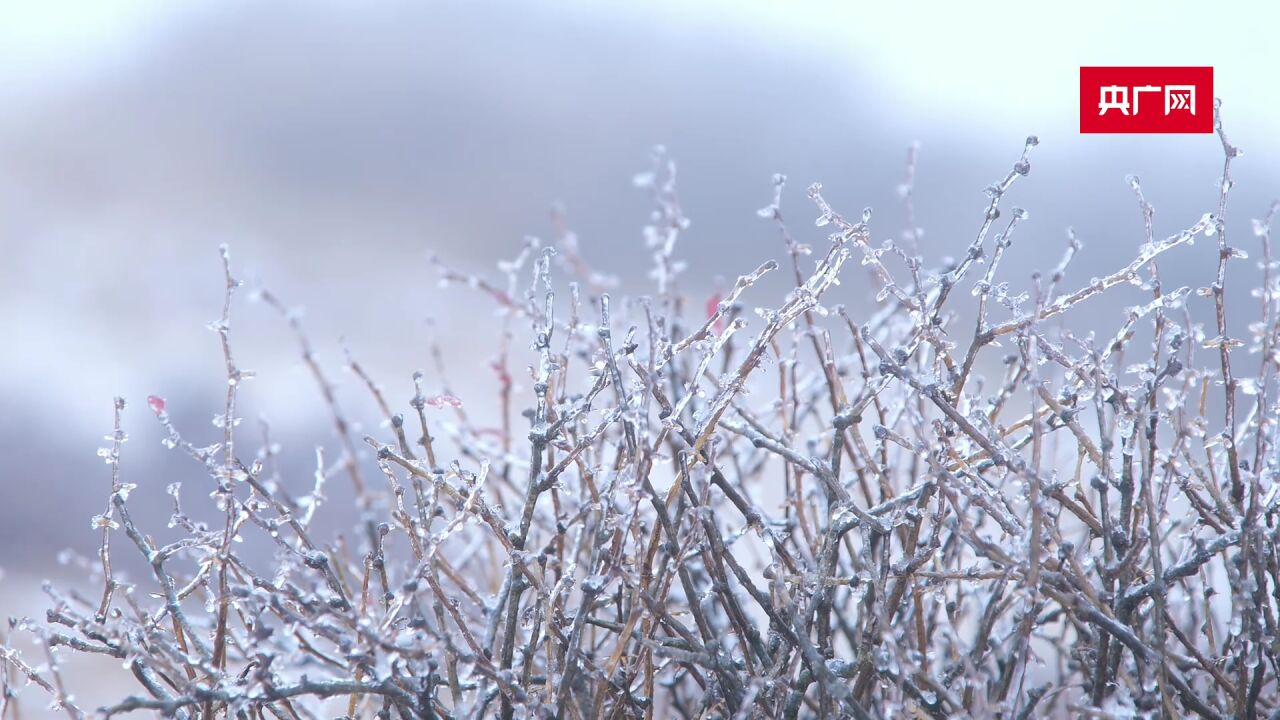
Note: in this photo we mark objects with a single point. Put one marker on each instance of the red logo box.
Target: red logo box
(1146, 99)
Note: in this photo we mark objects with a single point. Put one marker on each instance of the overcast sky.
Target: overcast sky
(1001, 61)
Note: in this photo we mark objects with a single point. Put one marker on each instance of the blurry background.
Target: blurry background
(338, 146)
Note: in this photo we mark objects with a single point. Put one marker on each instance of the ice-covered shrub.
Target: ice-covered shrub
(750, 506)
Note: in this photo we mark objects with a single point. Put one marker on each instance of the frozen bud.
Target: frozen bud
(103, 522)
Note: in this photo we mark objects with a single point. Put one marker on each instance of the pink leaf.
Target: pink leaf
(156, 403)
(444, 401)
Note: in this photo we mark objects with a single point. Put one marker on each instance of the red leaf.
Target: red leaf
(444, 401)
(156, 403)
(504, 378)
